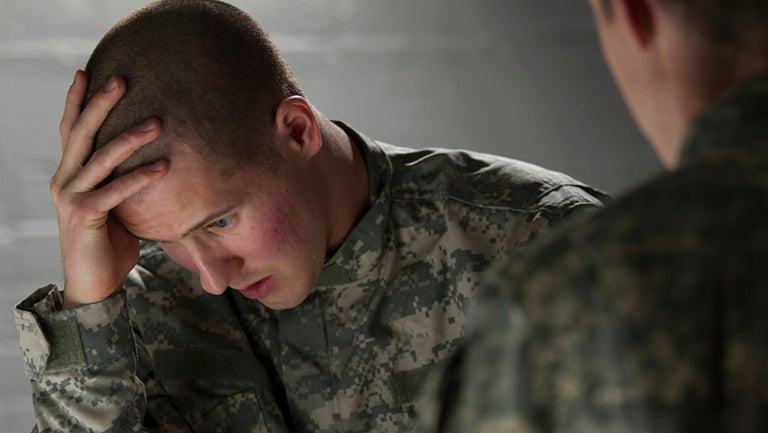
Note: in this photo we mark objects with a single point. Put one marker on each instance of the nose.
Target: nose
(216, 269)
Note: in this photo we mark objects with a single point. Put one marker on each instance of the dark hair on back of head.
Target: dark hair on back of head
(732, 24)
(205, 69)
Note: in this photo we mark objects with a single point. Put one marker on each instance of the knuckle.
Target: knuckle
(99, 153)
(55, 195)
(80, 131)
(119, 186)
(98, 157)
(64, 203)
(101, 159)
(66, 128)
(125, 185)
(54, 186)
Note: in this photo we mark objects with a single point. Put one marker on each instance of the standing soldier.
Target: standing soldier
(651, 315)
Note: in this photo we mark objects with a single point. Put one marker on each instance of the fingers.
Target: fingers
(119, 190)
(90, 208)
(78, 144)
(76, 186)
(104, 160)
(73, 105)
(96, 251)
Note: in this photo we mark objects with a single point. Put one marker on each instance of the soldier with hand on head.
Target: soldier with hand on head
(294, 274)
(649, 315)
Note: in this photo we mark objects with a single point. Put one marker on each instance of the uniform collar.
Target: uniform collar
(736, 127)
(360, 252)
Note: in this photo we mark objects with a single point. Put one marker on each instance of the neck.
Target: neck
(343, 164)
(701, 74)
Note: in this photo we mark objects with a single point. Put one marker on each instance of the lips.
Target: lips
(259, 289)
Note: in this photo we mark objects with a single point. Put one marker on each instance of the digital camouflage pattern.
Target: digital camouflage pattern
(390, 303)
(648, 316)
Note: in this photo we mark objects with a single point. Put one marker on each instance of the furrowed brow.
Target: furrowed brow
(203, 222)
(141, 238)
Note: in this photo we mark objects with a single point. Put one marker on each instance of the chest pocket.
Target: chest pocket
(219, 390)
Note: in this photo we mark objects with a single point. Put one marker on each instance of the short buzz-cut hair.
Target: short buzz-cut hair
(733, 24)
(206, 69)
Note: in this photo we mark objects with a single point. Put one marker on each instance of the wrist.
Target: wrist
(71, 300)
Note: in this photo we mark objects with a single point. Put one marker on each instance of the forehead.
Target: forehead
(187, 168)
(191, 189)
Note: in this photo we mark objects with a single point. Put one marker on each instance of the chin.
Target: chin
(283, 304)
(279, 306)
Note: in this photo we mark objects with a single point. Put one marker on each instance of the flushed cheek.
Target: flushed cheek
(285, 234)
(276, 233)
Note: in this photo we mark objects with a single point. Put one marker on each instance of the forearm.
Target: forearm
(82, 364)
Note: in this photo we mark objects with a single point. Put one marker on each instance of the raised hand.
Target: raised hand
(97, 252)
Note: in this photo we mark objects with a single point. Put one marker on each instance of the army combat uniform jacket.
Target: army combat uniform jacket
(649, 316)
(163, 355)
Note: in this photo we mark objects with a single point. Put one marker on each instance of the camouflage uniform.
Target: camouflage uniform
(390, 303)
(648, 316)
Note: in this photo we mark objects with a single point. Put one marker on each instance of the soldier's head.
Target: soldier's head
(205, 69)
(673, 58)
(230, 109)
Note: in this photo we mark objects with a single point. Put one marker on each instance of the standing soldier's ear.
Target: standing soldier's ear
(639, 16)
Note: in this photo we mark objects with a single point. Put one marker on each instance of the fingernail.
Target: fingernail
(157, 166)
(147, 126)
(111, 85)
(74, 79)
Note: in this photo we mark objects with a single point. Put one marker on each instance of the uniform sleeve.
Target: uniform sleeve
(82, 364)
(91, 371)
(564, 201)
(554, 209)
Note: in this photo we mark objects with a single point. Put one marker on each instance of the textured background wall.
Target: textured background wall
(521, 78)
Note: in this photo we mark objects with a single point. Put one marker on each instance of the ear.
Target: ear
(296, 126)
(640, 15)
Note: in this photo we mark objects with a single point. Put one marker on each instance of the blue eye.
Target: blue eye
(221, 223)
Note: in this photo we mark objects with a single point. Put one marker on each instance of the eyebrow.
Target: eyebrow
(203, 222)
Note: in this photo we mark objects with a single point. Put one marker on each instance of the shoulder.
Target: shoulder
(483, 180)
(683, 231)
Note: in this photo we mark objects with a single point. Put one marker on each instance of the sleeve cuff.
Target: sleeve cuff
(44, 301)
(55, 340)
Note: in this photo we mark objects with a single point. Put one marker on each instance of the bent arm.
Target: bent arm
(90, 371)
(82, 364)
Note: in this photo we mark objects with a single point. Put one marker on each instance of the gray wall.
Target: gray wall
(521, 78)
